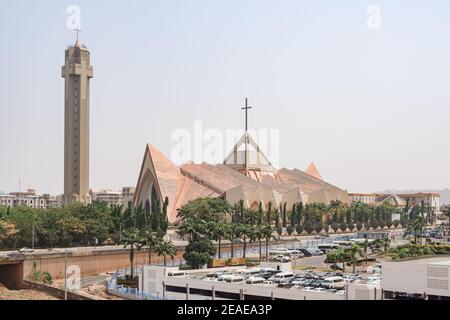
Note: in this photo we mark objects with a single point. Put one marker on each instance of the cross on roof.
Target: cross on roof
(246, 113)
(77, 30)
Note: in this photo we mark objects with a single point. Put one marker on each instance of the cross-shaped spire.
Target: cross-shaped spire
(77, 30)
(246, 113)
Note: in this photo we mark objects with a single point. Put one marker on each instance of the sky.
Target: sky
(370, 107)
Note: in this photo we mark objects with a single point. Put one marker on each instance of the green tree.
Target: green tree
(132, 238)
(218, 231)
(284, 216)
(198, 252)
(151, 241)
(207, 209)
(166, 248)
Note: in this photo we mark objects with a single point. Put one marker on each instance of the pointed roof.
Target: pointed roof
(395, 200)
(312, 171)
(256, 160)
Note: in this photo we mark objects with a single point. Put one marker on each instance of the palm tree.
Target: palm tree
(230, 236)
(190, 227)
(267, 233)
(151, 241)
(133, 239)
(166, 248)
(217, 231)
(245, 231)
(254, 235)
(364, 247)
(352, 252)
(386, 244)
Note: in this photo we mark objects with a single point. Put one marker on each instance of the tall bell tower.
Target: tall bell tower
(77, 73)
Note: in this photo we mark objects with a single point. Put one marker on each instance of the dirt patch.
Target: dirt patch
(6, 294)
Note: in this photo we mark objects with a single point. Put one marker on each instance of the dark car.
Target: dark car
(305, 252)
(336, 267)
(269, 273)
(315, 283)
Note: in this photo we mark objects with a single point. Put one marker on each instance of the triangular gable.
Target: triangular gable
(312, 171)
(255, 157)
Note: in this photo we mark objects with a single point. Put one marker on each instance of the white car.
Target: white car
(281, 258)
(26, 250)
(376, 268)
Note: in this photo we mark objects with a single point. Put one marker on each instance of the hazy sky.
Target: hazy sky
(370, 108)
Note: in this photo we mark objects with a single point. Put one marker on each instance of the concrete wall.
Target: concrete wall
(88, 264)
(11, 275)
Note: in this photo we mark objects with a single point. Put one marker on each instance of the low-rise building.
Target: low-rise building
(430, 199)
(29, 199)
(112, 198)
(427, 277)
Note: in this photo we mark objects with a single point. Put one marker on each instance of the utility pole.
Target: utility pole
(65, 275)
(32, 238)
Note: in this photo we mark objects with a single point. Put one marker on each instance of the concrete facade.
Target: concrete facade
(77, 73)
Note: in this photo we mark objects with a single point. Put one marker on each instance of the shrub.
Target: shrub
(343, 226)
(289, 230)
(382, 224)
(299, 229)
(318, 227)
(309, 228)
(359, 226)
(326, 228)
(389, 224)
(335, 226)
(351, 227)
(374, 224)
(280, 230)
(396, 223)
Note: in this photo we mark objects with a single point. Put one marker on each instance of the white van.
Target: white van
(282, 277)
(233, 279)
(248, 272)
(333, 283)
(255, 281)
(176, 274)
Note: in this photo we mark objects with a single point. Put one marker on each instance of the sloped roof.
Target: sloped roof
(191, 181)
(255, 157)
(304, 181)
(312, 171)
(393, 198)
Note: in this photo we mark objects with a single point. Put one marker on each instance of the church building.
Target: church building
(246, 174)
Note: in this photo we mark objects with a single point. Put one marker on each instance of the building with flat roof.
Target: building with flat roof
(29, 199)
(428, 277)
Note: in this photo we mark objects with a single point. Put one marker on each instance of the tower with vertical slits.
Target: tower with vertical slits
(77, 73)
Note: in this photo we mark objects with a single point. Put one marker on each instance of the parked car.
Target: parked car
(335, 266)
(305, 252)
(281, 277)
(281, 258)
(376, 268)
(351, 277)
(333, 283)
(180, 274)
(315, 252)
(255, 280)
(26, 250)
